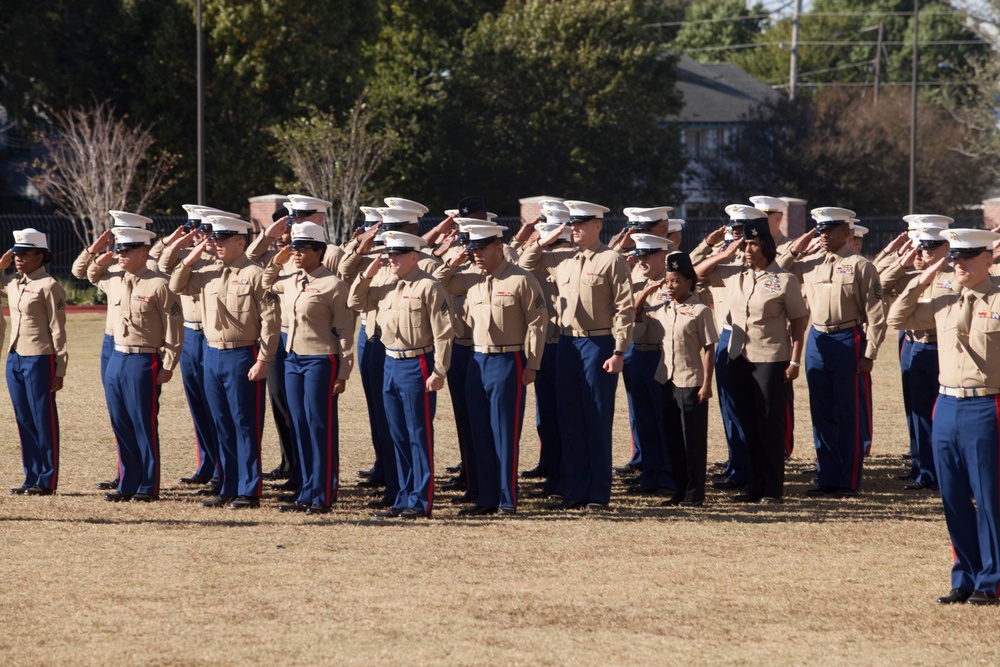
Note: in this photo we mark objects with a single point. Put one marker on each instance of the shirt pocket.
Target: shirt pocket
(503, 309)
(239, 298)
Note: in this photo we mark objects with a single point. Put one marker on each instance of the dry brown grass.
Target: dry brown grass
(818, 582)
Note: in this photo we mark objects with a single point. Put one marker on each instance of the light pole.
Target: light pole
(913, 112)
(201, 113)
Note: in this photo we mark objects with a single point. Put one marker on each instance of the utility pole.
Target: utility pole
(878, 60)
(793, 69)
(201, 112)
(913, 112)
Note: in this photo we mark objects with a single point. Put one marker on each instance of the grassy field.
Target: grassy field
(817, 582)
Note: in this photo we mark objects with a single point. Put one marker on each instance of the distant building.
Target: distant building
(717, 98)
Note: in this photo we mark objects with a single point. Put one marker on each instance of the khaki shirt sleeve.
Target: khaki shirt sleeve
(701, 252)
(624, 305)
(270, 279)
(536, 316)
(869, 292)
(184, 280)
(55, 309)
(706, 326)
(157, 250)
(343, 322)
(440, 316)
(259, 246)
(167, 261)
(270, 321)
(361, 297)
(904, 313)
(81, 263)
(529, 258)
(350, 263)
(332, 258)
(95, 273)
(173, 328)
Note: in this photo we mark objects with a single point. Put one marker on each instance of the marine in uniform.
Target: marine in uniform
(413, 315)
(148, 342)
(508, 317)
(685, 371)
(768, 317)
(596, 316)
(966, 432)
(241, 329)
(36, 358)
(319, 346)
(848, 315)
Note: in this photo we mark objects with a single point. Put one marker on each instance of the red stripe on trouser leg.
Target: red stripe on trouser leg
(996, 403)
(517, 426)
(154, 441)
(857, 411)
(328, 486)
(425, 373)
(52, 423)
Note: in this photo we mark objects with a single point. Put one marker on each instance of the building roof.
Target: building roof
(717, 92)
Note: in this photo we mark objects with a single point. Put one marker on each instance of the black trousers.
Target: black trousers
(685, 422)
(761, 396)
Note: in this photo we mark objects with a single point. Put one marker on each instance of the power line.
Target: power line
(755, 17)
(946, 42)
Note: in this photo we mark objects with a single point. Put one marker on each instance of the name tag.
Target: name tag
(845, 269)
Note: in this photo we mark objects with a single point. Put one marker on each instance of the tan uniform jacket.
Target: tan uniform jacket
(149, 314)
(971, 360)
(688, 329)
(595, 292)
(648, 329)
(945, 285)
(237, 307)
(506, 307)
(842, 287)
(86, 268)
(762, 305)
(412, 311)
(319, 321)
(194, 314)
(37, 316)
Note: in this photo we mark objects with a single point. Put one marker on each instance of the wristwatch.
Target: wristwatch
(617, 353)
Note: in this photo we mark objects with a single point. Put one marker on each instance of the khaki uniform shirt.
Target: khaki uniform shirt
(505, 306)
(148, 313)
(190, 304)
(412, 311)
(319, 321)
(717, 294)
(37, 316)
(86, 268)
(237, 307)
(648, 329)
(842, 287)
(945, 285)
(595, 292)
(966, 360)
(761, 306)
(688, 329)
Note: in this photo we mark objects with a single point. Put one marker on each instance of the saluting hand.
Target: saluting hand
(6, 260)
(524, 233)
(105, 259)
(174, 235)
(717, 236)
(457, 258)
(196, 253)
(908, 259)
(434, 383)
(897, 243)
(449, 238)
(184, 241)
(373, 268)
(927, 277)
(277, 228)
(368, 239)
(283, 255)
(802, 243)
(614, 364)
(549, 239)
(102, 243)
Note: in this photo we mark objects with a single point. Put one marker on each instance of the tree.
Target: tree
(334, 160)
(562, 99)
(95, 163)
(705, 31)
(838, 149)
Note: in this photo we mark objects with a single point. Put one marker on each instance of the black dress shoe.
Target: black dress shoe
(907, 476)
(718, 476)
(195, 479)
(288, 498)
(537, 494)
(108, 486)
(454, 469)
(671, 502)
(117, 497)
(38, 491)
(294, 507)
(277, 473)
(721, 464)
(409, 513)
(364, 474)
(981, 598)
(18, 490)
(771, 500)
(746, 498)
(906, 457)
(811, 471)
(821, 491)
(642, 490)
(689, 503)
(920, 486)
(632, 480)
(478, 511)
(207, 492)
(956, 596)
(390, 513)
(217, 501)
(506, 511)
(535, 473)
(728, 484)
(371, 483)
(318, 509)
(628, 469)
(596, 507)
(244, 502)
(144, 498)
(379, 505)
(464, 499)
(454, 485)
(567, 505)
(845, 493)
(286, 486)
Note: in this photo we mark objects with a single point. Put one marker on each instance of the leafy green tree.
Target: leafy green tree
(704, 30)
(563, 99)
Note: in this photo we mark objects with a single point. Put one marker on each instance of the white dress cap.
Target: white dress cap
(827, 216)
(307, 203)
(550, 226)
(768, 204)
(969, 240)
(400, 242)
(371, 213)
(925, 233)
(676, 225)
(308, 232)
(583, 210)
(222, 223)
(480, 235)
(554, 204)
(394, 215)
(205, 211)
(29, 239)
(126, 219)
(132, 236)
(744, 212)
(647, 244)
(556, 215)
(448, 212)
(409, 204)
(860, 230)
(192, 211)
(648, 216)
(465, 223)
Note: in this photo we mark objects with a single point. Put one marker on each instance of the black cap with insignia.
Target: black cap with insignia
(472, 207)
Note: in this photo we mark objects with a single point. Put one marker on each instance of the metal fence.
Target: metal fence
(65, 245)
